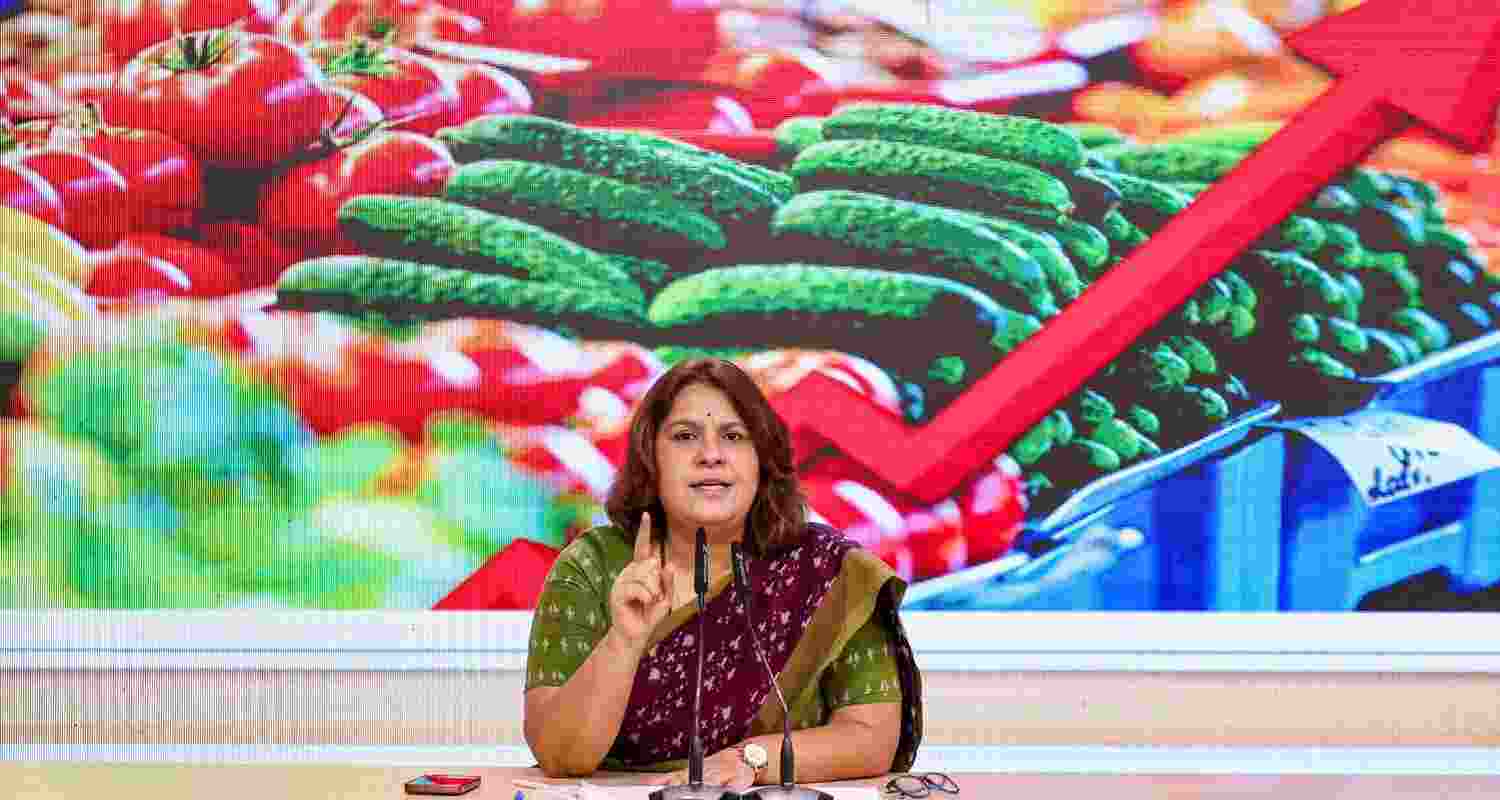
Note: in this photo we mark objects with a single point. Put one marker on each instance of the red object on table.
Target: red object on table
(510, 580)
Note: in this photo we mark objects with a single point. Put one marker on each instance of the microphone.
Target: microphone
(788, 789)
(694, 788)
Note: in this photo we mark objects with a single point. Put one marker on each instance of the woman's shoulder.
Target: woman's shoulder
(819, 536)
(601, 548)
(852, 556)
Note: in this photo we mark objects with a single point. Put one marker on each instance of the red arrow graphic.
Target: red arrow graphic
(1433, 61)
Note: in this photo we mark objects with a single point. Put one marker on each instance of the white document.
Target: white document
(1390, 456)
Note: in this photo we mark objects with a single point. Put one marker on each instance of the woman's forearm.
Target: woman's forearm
(839, 750)
(571, 732)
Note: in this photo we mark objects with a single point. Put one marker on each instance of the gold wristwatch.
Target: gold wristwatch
(754, 755)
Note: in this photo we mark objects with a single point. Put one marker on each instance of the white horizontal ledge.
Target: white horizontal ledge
(947, 758)
(960, 641)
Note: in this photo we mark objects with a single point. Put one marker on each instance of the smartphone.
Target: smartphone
(442, 784)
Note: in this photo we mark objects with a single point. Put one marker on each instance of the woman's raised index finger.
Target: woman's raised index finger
(643, 538)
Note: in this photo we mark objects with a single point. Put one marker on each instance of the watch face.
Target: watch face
(755, 755)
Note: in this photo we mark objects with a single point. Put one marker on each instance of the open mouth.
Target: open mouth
(710, 486)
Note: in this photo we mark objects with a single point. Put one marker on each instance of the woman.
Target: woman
(612, 660)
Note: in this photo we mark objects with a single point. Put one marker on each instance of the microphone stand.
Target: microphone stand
(788, 788)
(694, 788)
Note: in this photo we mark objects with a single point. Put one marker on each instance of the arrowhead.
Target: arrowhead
(1437, 60)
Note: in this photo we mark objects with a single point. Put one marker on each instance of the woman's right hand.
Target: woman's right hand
(642, 594)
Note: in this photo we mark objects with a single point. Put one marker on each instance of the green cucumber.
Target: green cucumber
(1062, 426)
(1240, 289)
(1096, 134)
(1048, 251)
(1430, 334)
(1091, 407)
(876, 314)
(795, 134)
(600, 213)
(1197, 354)
(1244, 136)
(777, 184)
(429, 229)
(1145, 202)
(1303, 328)
(1332, 202)
(405, 290)
(722, 194)
(1085, 245)
(1034, 443)
(1170, 162)
(1117, 435)
(1301, 281)
(1015, 138)
(932, 175)
(857, 228)
(1385, 353)
(1325, 363)
(1142, 419)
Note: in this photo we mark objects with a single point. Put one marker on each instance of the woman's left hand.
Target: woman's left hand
(724, 768)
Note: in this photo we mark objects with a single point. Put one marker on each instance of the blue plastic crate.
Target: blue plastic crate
(1218, 526)
(1484, 519)
(1336, 549)
(1102, 562)
(1202, 538)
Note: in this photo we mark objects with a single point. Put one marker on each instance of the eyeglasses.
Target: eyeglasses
(921, 785)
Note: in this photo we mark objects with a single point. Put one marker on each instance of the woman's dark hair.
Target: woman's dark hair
(778, 515)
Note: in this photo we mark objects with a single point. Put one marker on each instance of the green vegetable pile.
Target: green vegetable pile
(929, 241)
(154, 473)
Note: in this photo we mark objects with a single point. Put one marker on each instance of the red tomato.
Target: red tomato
(349, 112)
(130, 26)
(493, 15)
(657, 39)
(25, 97)
(405, 20)
(128, 275)
(843, 493)
(204, 273)
(24, 190)
(483, 89)
(614, 445)
(238, 100)
(402, 84)
(80, 87)
(165, 183)
(301, 205)
(255, 257)
(564, 458)
(525, 394)
(767, 72)
(993, 507)
(369, 383)
(630, 373)
(97, 208)
(936, 541)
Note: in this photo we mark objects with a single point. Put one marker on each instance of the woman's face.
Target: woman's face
(707, 467)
